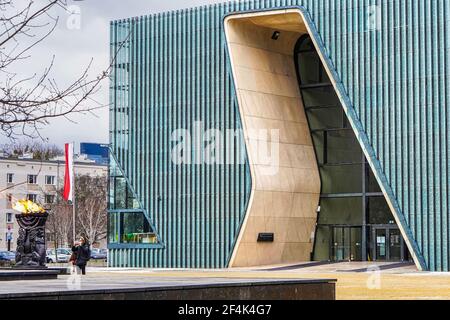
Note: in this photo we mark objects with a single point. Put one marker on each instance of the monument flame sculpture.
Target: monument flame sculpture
(31, 250)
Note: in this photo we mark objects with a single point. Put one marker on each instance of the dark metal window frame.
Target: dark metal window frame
(365, 195)
(120, 244)
(118, 173)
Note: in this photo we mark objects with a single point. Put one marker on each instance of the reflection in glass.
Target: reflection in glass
(322, 243)
(395, 244)
(130, 227)
(378, 211)
(113, 228)
(371, 182)
(341, 178)
(311, 68)
(306, 45)
(325, 118)
(320, 97)
(380, 236)
(127, 222)
(136, 229)
(341, 244)
(319, 146)
(121, 196)
(342, 147)
(346, 210)
(346, 244)
(356, 244)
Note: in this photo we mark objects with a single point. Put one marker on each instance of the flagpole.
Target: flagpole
(73, 192)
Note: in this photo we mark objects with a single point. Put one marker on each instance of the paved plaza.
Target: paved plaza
(358, 281)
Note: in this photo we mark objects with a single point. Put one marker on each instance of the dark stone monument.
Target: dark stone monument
(31, 249)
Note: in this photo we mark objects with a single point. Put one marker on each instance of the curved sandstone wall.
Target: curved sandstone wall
(286, 184)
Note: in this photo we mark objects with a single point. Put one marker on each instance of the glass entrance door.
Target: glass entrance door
(340, 249)
(387, 244)
(380, 245)
(346, 244)
(356, 244)
(395, 245)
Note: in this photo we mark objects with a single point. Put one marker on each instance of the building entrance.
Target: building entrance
(387, 244)
(354, 221)
(346, 243)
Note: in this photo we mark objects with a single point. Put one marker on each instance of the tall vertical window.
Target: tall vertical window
(9, 217)
(352, 207)
(32, 197)
(9, 178)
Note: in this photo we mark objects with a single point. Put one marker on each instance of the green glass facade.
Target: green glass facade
(389, 66)
(169, 74)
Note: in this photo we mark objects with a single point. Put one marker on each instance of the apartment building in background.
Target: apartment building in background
(35, 180)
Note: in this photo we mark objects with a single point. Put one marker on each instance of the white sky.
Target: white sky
(73, 50)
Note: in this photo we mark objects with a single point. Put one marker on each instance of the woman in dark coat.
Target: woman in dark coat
(82, 254)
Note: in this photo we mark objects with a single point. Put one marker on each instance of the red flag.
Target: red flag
(68, 175)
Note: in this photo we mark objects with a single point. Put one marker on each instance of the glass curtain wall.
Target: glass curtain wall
(353, 211)
(127, 222)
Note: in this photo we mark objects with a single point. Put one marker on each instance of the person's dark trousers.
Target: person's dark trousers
(82, 267)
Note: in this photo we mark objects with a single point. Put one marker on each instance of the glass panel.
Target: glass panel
(306, 45)
(356, 244)
(343, 170)
(380, 238)
(341, 211)
(121, 195)
(341, 179)
(341, 244)
(342, 147)
(321, 96)
(337, 245)
(113, 230)
(311, 69)
(371, 182)
(346, 243)
(325, 118)
(318, 145)
(395, 246)
(378, 211)
(136, 229)
(322, 243)
(130, 228)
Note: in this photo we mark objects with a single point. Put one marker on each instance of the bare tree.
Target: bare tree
(28, 103)
(91, 205)
(59, 224)
(39, 150)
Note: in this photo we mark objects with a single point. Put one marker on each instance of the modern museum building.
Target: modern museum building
(254, 133)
